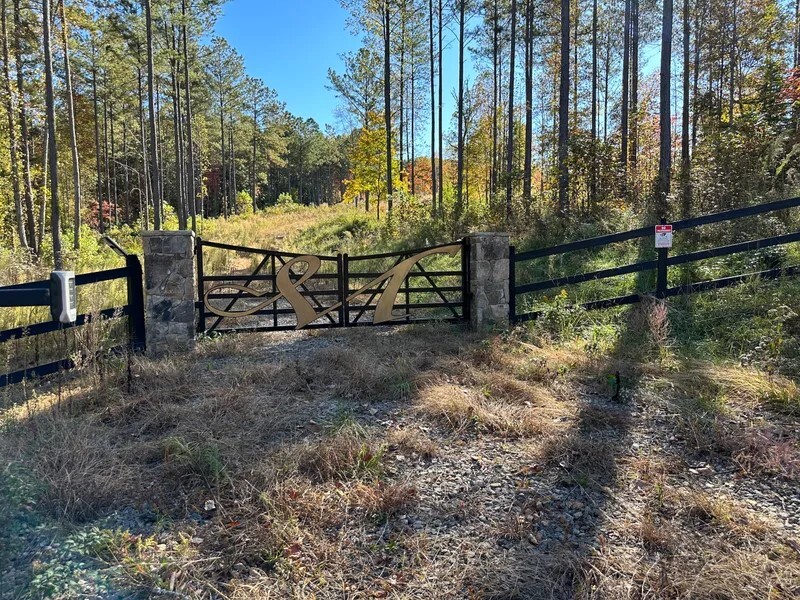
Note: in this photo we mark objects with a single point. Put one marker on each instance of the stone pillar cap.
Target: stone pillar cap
(153, 232)
(488, 234)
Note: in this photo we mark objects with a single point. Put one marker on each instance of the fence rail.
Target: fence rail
(133, 310)
(660, 265)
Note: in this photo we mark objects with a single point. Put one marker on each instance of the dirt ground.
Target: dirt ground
(404, 462)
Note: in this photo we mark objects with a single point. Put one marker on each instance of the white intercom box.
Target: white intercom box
(63, 296)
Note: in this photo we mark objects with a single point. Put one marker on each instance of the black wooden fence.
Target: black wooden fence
(660, 265)
(133, 310)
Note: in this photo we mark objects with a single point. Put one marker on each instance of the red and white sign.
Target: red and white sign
(663, 236)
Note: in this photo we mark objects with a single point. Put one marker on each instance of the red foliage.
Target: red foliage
(92, 214)
(791, 86)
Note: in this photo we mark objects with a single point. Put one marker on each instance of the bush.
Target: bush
(244, 203)
(285, 199)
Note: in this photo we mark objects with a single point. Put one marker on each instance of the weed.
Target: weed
(412, 441)
(345, 454)
(200, 459)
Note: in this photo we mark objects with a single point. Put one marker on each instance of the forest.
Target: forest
(133, 114)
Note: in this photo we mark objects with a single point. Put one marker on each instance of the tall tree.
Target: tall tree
(433, 110)
(685, 139)
(387, 100)
(665, 145)
(634, 101)
(12, 133)
(626, 62)
(441, 109)
(73, 136)
(190, 172)
(96, 110)
(593, 139)
(563, 113)
(155, 172)
(511, 70)
(27, 183)
(528, 152)
(55, 212)
(460, 150)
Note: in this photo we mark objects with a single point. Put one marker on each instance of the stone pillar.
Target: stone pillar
(488, 280)
(170, 287)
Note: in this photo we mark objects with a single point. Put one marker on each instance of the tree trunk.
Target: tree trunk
(593, 149)
(27, 184)
(734, 49)
(155, 178)
(495, 96)
(178, 133)
(433, 113)
(460, 163)
(99, 186)
(55, 213)
(43, 203)
(575, 16)
(665, 126)
(626, 55)
(510, 151)
(144, 211)
(234, 187)
(634, 84)
(253, 157)
(685, 140)
(402, 95)
(526, 176)
(106, 164)
(159, 146)
(696, 72)
(387, 102)
(190, 178)
(413, 132)
(563, 113)
(12, 134)
(127, 185)
(441, 120)
(606, 77)
(114, 187)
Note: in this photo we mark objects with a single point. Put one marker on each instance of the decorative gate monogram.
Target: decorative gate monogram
(293, 291)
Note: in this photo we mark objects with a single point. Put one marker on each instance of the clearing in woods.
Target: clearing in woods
(406, 462)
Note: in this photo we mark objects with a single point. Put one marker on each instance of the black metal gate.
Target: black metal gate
(269, 290)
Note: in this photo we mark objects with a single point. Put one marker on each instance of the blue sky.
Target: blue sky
(290, 44)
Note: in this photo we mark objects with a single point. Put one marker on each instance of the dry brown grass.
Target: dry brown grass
(699, 570)
(413, 442)
(463, 408)
(300, 453)
(81, 468)
(348, 453)
(741, 387)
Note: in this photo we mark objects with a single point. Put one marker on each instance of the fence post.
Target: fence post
(341, 261)
(136, 326)
(512, 283)
(488, 272)
(201, 308)
(661, 269)
(170, 289)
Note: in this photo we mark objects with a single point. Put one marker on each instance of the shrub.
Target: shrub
(285, 199)
(244, 203)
